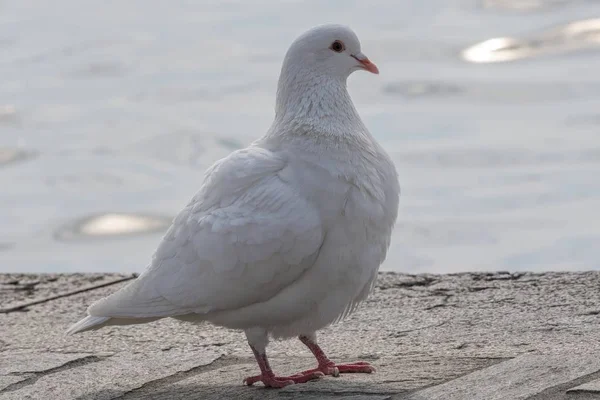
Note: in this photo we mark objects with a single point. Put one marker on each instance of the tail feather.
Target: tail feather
(137, 303)
(91, 323)
(88, 323)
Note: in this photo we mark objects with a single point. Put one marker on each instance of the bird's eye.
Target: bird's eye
(337, 46)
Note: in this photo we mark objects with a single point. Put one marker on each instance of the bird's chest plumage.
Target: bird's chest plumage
(353, 185)
(362, 228)
(358, 209)
(358, 203)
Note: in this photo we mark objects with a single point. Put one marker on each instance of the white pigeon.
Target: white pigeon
(285, 236)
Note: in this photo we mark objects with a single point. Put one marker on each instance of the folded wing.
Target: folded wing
(244, 237)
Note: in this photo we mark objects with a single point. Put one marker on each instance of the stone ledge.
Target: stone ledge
(491, 336)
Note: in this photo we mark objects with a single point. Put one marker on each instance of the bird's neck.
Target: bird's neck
(308, 101)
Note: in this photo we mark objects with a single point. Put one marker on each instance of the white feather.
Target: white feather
(285, 236)
(86, 324)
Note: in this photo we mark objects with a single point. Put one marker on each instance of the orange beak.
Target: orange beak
(366, 63)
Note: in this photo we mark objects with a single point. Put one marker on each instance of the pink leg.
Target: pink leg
(268, 378)
(328, 367)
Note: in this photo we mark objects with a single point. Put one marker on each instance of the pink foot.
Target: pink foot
(270, 380)
(328, 367)
(333, 369)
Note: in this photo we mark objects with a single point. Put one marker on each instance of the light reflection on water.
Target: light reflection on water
(575, 36)
(109, 117)
(113, 224)
(525, 5)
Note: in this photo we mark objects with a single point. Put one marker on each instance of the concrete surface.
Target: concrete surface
(492, 336)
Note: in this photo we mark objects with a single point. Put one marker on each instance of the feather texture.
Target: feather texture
(246, 230)
(286, 236)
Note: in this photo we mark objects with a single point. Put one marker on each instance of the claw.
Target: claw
(282, 381)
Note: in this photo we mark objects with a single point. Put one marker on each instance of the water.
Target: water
(110, 111)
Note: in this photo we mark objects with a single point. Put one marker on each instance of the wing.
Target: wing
(244, 237)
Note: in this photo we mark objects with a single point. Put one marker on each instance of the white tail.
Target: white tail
(88, 323)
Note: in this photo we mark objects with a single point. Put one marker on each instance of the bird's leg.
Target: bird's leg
(268, 378)
(258, 340)
(328, 367)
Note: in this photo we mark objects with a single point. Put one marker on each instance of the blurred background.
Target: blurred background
(110, 111)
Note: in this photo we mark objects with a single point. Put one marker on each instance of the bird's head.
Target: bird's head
(333, 50)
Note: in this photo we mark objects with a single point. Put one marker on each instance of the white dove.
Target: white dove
(285, 236)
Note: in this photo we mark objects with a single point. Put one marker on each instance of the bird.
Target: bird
(284, 237)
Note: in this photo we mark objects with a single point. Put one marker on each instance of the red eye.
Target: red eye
(337, 46)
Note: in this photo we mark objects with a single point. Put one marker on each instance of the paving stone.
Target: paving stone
(17, 291)
(420, 331)
(107, 377)
(18, 366)
(516, 379)
(6, 381)
(589, 387)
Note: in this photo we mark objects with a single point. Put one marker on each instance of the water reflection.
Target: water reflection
(113, 224)
(578, 35)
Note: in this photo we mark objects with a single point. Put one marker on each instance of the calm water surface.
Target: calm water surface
(110, 111)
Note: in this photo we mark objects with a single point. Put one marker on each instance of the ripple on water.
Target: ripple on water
(494, 92)
(100, 70)
(418, 89)
(494, 158)
(186, 148)
(230, 143)
(565, 251)
(11, 156)
(575, 36)
(8, 115)
(438, 234)
(113, 225)
(584, 120)
(188, 94)
(6, 42)
(77, 181)
(524, 5)
(6, 246)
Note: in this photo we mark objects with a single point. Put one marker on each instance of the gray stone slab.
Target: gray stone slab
(418, 331)
(589, 387)
(18, 366)
(394, 376)
(20, 291)
(225, 382)
(516, 379)
(17, 288)
(110, 376)
(324, 396)
(9, 380)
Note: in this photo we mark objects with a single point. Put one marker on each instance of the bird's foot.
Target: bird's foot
(273, 381)
(333, 369)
